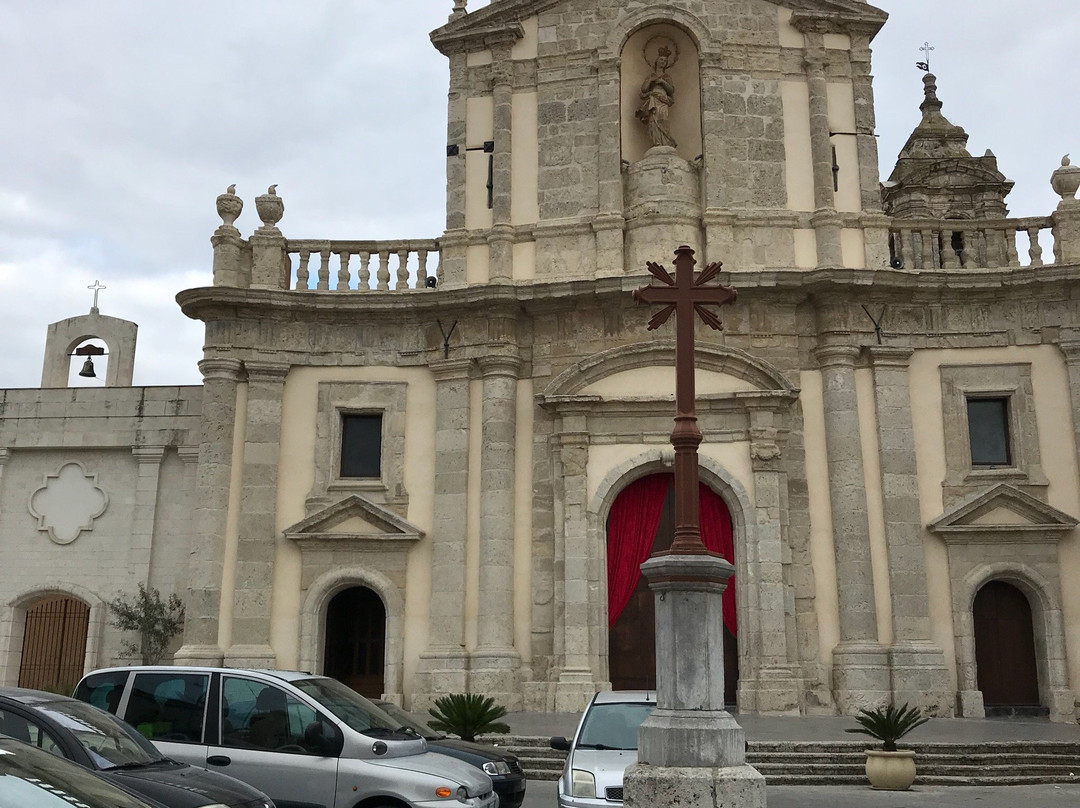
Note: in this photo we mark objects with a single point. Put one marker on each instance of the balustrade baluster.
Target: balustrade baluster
(363, 275)
(421, 269)
(302, 273)
(1012, 254)
(402, 269)
(927, 238)
(383, 276)
(323, 283)
(949, 257)
(907, 241)
(343, 270)
(1035, 250)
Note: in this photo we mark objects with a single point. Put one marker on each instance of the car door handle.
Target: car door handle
(219, 760)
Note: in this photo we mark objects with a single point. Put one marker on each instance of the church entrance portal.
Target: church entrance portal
(1005, 648)
(642, 521)
(54, 644)
(356, 640)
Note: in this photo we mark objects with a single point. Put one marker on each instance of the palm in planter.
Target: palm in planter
(467, 715)
(889, 768)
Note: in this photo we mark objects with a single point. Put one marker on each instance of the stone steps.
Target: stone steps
(842, 763)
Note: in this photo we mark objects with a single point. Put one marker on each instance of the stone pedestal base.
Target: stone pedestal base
(574, 690)
(970, 703)
(440, 673)
(773, 691)
(202, 656)
(1063, 706)
(497, 673)
(860, 676)
(250, 656)
(919, 678)
(648, 786)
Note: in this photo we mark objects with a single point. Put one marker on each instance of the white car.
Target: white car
(605, 744)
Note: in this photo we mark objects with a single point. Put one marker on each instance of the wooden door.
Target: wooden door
(54, 644)
(356, 641)
(632, 640)
(1005, 647)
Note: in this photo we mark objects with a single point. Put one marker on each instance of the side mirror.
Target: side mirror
(323, 738)
(560, 743)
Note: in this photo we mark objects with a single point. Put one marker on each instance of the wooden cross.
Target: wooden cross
(682, 296)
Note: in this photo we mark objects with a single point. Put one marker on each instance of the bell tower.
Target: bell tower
(66, 336)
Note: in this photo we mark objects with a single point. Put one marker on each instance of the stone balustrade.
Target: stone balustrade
(359, 266)
(960, 244)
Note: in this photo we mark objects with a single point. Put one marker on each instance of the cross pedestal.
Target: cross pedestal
(691, 751)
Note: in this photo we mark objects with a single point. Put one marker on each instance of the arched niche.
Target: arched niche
(637, 55)
(67, 335)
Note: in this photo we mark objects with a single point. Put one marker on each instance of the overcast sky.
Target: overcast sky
(122, 120)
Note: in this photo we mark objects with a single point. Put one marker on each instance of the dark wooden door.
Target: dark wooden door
(356, 641)
(54, 644)
(1005, 647)
(632, 640)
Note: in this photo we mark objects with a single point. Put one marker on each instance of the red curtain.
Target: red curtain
(632, 525)
(716, 534)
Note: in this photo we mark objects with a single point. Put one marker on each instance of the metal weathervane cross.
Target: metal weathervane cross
(925, 66)
(684, 295)
(96, 287)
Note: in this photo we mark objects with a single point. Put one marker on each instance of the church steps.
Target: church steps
(842, 763)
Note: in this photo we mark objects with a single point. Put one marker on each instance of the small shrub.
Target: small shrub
(467, 715)
(889, 724)
(157, 621)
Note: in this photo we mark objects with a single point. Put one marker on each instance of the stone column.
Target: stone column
(1071, 349)
(270, 268)
(453, 245)
(258, 518)
(875, 222)
(825, 220)
(577, 682)
(501, 236)
(609, 222)
(917, 666)
(444, 665)
(772, 684)
(145, 511)
(717, 219)
(860, 666)
(1066, 218)
(495, 663)
(229, 268)
(211, 497)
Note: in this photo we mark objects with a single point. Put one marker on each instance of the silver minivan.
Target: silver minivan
(307, 741)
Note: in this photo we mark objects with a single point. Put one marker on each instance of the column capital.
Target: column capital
(188, 454)
(221, 369)
(445, 370)
(271, 372)
(889, 356)
(1071, 349)
(499, 366)
(837, 355)
(148, 454)
(5, 456)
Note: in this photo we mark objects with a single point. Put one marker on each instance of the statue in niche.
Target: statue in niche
(658, 91)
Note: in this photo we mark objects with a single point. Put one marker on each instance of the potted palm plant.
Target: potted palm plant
(890, 768)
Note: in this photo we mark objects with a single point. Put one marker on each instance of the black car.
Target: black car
(118, 753)
(31, 778)
(505, 771)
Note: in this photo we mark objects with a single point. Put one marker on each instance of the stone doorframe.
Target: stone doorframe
(13, 624)
(768, 646)
(1049, 626)
(313, 622)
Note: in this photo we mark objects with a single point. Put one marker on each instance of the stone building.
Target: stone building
(431, 466)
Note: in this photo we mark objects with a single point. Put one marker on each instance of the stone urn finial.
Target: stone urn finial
(229, 206)
(270, 208)
(1066, 180)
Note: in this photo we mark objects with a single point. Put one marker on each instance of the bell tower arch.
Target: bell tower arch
(65, 336)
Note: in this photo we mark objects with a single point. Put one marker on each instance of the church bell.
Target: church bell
(88, 369)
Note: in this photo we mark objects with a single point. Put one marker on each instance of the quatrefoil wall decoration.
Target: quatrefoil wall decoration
(68, 502)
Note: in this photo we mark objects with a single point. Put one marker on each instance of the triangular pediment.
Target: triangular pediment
(1002, 513)
(502, 18)
(352, 520)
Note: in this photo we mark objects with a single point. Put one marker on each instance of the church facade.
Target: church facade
(433, 466)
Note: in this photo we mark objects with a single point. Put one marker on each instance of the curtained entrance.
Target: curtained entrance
(356, 641)
(1005, 648)
(642, 521)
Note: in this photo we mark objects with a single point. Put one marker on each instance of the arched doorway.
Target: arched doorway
(642, 521)
(356, 641)
(54, 643)
(1005, 663)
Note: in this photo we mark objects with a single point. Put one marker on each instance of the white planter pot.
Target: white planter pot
(890, 771)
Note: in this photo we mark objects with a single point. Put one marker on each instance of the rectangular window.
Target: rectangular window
(361, 446)
(988, 431)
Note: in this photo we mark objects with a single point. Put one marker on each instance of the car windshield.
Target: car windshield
(31, 778)
(108, 740)
(613, 726)
(404, 719)
(348, 705)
